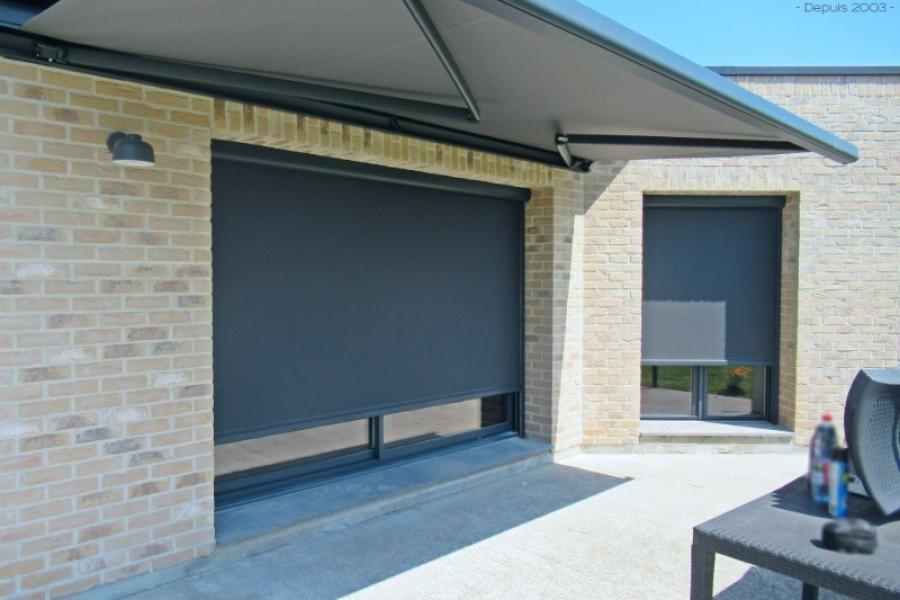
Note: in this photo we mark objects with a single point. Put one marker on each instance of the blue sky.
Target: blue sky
(765, 32)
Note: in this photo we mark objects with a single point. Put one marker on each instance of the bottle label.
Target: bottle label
(837, 490)
(819, 474)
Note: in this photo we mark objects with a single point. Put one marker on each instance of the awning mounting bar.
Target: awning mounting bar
(423, 20)
(89, 58)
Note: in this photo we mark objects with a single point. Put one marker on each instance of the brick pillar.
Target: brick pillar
(553, 312)
(787, 344)
(612, 307)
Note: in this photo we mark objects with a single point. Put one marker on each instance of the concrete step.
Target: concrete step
(715, 437)
(362, 496)
(248, 529)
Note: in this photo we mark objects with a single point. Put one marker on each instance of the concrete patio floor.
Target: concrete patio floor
(591, 526)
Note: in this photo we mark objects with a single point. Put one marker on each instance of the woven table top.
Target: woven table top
(786, 527)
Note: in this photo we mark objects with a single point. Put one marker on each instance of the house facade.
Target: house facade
(839, 253)
(108, 405)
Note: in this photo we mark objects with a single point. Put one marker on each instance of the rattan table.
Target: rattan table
(782, 531)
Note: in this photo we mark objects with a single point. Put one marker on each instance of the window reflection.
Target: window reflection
(303, 445)
(444, 420)
(736, 390)
(666, 391)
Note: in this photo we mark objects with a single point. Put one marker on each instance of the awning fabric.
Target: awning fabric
(535, 68)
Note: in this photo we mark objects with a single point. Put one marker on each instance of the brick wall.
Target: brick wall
(106, 454)
(105, 355)
(841, 253)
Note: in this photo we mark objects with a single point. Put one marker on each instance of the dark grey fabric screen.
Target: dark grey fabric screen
(710, 284)
(343, 291)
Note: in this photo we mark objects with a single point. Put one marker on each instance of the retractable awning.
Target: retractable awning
(548, 80)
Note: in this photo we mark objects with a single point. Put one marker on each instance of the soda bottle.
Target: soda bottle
(820, 448)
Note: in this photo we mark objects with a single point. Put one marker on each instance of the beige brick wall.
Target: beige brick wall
(106, 455)
(239, 122)
(841, 253)
(105, 354)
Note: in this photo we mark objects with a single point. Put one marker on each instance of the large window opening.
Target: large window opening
(709, 344)
(361, 314)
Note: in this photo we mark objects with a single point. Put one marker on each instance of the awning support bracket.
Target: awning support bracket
(50, 53)
(423, 20)
(562, 146)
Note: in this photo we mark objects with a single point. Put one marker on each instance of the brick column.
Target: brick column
(553, 323)
(787, 344)
(612, 307)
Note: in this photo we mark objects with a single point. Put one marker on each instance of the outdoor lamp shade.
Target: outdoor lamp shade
(129, 150)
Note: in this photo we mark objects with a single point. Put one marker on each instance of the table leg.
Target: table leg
(703, 564)
(810, 592)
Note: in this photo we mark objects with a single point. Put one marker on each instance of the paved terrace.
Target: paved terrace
(592, 526)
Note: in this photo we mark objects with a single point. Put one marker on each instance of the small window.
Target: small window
(695, 391)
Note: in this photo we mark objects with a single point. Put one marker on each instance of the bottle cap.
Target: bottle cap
(826, 417)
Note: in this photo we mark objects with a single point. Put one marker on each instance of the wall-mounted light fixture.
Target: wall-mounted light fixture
(129, 150)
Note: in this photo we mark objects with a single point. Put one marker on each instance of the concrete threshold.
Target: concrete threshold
(249, 529)
(368, 494)
(714, 436)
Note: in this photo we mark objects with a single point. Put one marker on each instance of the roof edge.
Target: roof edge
(808, 70)
(582, 21)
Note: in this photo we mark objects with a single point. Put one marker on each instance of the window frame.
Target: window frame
(700, 392)
(731, 199)
(695, 415)
(285, 477)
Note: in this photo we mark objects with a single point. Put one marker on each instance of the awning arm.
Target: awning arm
(423, 20)
(572, 18)
(682, 142)
(562, 146)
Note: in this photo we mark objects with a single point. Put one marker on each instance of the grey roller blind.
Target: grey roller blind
(710, 284)
(341, 291)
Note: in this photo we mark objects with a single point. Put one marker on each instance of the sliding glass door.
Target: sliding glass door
(362, 314)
